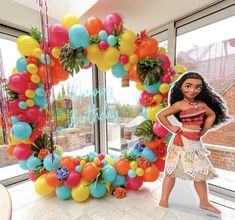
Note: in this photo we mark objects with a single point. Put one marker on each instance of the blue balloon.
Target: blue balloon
(21, 130)
(33, 162)
(109, 173)
(40, 101)
(14, 119)
(63, 192)
(103, 35)
(131, 173)
(144, 113)
(97, 189)
(118, 70)
(23, 164)
(21, 64)
(148, 154)
(49, 164)
(22, 105)
(153, 88)
(119, 181)
(112, 40)
(78, 36)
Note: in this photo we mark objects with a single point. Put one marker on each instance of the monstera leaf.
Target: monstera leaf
(144, 131)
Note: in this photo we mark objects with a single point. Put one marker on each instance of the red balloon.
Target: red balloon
(111, 21)
(73, 179)
(13, 107)
(58, 35)
(159, 130)
(93, 25)
(146, 98)
(17, 84)
(166, 78)
(22, 152)
(160, 163)
(33, 114)
(34, 174)
(26, 75)
(134, 183)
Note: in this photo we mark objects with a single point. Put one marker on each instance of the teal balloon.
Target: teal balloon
(112, 40)
(97, 189)
(50, 164)
(33, 162)
(118, 70)
(103, 35)
(144, 113)
(22, 105)
(86, 61)
(120, 180)
(21, 130)
(168, 137)
(78, 36)
(21, 64)
(148, 154)
(14, 119)
(131, 173)
(114, 157)
(40, 101)
(39, 92)
(105, 162)
(43, 60)
(109, 173)
(63, 192)
(153, 88)
(78, 169)
(23, 164)
(92, 155)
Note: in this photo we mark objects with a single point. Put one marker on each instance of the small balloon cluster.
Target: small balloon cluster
(71, 46)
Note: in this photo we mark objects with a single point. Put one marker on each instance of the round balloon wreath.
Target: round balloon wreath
(72, 47)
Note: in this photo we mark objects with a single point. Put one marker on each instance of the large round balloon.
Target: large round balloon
(78, 36)
(21, 130)
(41, 187)
(93, 25)
(111, 22)
(58, 35)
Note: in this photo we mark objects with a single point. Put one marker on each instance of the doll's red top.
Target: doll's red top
(193, 116)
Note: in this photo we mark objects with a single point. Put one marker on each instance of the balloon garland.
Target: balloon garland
(74, 46)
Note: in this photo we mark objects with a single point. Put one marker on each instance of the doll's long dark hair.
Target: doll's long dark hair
(207, 95)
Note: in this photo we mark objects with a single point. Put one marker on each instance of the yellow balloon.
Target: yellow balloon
(111, 56)
(126, 48)
(164, 88)
(103, 66)
(41, 187)
(29, 93)
(128, 36)
(96, 160)
(180, 69)
(14, 71)
(30, 102)
(35, 78)
(161, 51)
(56, 52)
(127, 66)
(108, 186)
(82, 163)
(16, 141)
(157, 98)
(69, 20)
(133, 58)
(139, 86)
(139, 171)
(94, 54)
(80, 193)
(26, 45)
(59, 148)
(37, 52)
(152, 111)
(32, 68)
(133, 165)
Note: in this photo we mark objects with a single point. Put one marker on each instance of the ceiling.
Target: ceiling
(137, 14)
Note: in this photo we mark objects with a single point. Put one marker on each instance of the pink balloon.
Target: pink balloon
(34, 174)
(58, 35)
(22, 152)
(103, 45)
(166, 78)
(32, 85)
(134, 183)
(123, 59)
(73, 179)
(166, 62)
(111, 21)
(145, 98)
(26, 75)
(17, 84)
(22, 97)
(159, 130)
(13, 107)
(33, 114)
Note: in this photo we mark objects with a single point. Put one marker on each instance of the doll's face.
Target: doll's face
(191, 88)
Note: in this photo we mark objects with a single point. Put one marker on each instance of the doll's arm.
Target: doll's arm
(210, 118)
(162, 116)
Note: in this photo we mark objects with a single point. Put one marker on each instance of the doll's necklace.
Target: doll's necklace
(195, 104)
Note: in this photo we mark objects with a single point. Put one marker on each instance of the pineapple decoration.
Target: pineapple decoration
(72, 59)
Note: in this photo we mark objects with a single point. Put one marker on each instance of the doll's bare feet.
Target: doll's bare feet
(210, 208)
(164, 203)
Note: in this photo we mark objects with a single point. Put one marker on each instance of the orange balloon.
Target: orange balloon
(154, 144)
(94, 25)
(68, 161)
(90, 171)
(122, 166)
(147, 48)
(133, 73)
(52, 180)
(10, 150)
(151, 173)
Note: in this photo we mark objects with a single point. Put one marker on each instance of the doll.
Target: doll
(193, 102)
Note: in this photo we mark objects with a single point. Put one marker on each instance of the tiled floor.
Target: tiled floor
(142, 204)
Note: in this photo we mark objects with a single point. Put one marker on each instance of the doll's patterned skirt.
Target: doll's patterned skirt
(189, 162)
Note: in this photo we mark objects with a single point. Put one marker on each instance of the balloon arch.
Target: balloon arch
(74, 46)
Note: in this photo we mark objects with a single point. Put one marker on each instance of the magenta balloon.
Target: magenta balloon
(22, 152)
(17, 84)
(159, 130)
(73, 179)
(111, 21)
(58, 35)
(33, 114)
(166, 62)
(134, 183)
(13, 107)
(166, 78)
(26, 75)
